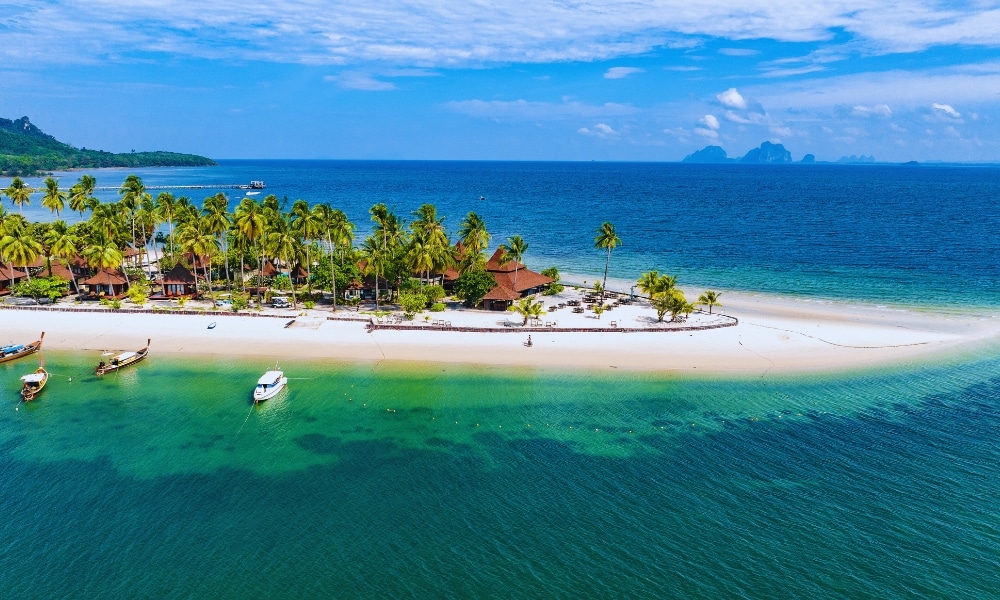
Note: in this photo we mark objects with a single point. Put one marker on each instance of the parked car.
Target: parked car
(280, 302)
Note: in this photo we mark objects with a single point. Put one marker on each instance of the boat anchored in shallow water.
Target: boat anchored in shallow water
(15, 351)
(269, 385)
(32, 384)
(120, 361)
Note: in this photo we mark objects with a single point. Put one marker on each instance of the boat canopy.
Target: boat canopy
(125, 356)
(14, 348)
(33, 378)
(270, 378)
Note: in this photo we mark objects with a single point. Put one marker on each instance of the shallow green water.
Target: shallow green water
(429, 481)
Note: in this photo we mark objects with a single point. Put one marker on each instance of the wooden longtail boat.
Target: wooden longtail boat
(120, 361)
(33, 384)
(15, 351)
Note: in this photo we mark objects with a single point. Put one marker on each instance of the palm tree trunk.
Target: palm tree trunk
(605, 284)
(333, 273)
(291, 281)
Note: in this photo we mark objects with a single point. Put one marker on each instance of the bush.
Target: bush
(434, 293)
(116, 303)
(437, 307)
(553, 289)
(309, 304)
(42, 287)
(412, 303)
(552, 273)
(240, 301)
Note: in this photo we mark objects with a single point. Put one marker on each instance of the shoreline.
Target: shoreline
(773, 336)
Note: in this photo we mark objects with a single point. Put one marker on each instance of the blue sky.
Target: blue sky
(646, 80)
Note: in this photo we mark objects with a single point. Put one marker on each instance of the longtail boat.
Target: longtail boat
(15, 351)
(120, 361)
(33, 384)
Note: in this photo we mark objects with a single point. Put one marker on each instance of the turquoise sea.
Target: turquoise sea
(428, 480)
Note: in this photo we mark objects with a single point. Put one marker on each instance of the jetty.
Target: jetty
(253, 185)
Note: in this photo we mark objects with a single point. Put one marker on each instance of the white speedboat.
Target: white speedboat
(269, 385)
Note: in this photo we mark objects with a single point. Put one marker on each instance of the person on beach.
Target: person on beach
(528, 343)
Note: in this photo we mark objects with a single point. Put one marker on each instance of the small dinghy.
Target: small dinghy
(211, 325)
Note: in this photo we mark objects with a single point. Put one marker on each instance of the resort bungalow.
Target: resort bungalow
(514, 281)
(299, 274)
(106, 283)
(178, 282)
(9, 277)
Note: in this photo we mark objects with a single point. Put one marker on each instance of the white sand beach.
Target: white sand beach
(773, 335)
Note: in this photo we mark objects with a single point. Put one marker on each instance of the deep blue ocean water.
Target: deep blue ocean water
(430, 481)
(922, 236)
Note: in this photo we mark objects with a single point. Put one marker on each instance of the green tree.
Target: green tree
(81, 195)
(471, 286)
(19, 247)
(608, 240)
(196, 236)
(284, 242)
(54, 198)
(514, 250)
(475, 238)
(376, 262)
(412, 303)
(529, 309)
(19, 193)
(709, 298)
(309, 227)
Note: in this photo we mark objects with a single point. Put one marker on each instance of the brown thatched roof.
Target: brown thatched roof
(9, 273)
(58, 270)
(178, 275)
(501, 292)
(106, 277)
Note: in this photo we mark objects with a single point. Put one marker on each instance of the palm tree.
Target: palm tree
(197, 238)
(377, 260)
(251, 223)
(529, 309)
(710, 298)
(284, 242)
(63, 243)
(309, 227)
(420, 258)
(81, 194)
(476, 239)
(54, 198)
(647, 282)
(105, 219)
(102, 252)
(218, 221)
(608, 240)
(133, 193)
(514, 250)
(19, 247)
(19, 193)
(166, 209)
(339, 236)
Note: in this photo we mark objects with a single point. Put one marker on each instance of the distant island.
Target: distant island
(27, 150)
(770, 154)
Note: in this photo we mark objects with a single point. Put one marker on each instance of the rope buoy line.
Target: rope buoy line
(835, 343)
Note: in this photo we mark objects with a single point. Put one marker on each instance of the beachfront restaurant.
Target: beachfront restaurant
(514, 281)
(9, 277)
(105, 284)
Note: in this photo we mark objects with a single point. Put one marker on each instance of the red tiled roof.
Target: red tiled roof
(106, 277)
(8, 273)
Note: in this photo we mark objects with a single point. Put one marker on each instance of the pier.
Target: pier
(221, 186)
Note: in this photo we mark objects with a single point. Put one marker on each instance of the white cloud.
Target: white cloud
(355, 80)
(544, 111)
(710, 121)
(946, 109)
(447, 33)
(738, 52)
(683, 69)
(707, 133)
(621, 72)
(732, 99)
(879, 110)
(601, 130)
